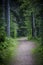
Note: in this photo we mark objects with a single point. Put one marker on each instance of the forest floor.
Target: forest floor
(24, 54)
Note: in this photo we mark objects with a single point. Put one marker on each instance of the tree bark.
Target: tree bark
(7, 14)
(33, 25)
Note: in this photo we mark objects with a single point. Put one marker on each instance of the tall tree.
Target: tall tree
(33, 25)
(2, 21)
(7, 14)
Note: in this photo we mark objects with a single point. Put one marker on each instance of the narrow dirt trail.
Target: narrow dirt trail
(24, 54)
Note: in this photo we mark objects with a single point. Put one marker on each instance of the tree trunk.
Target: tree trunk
(3, 12)
(7, 14)
(3, 8)
(33, 25)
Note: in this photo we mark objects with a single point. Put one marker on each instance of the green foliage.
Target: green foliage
(2, 34)
(25, 8)
(6, 50)
(13, 26)
(2, 27)
(39, 55)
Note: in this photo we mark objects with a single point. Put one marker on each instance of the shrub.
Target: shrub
(6, 50)
(2, 34)
(39, 55)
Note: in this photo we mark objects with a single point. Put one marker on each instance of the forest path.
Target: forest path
(24, 55)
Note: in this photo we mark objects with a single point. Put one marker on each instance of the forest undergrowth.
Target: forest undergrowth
(6, 50)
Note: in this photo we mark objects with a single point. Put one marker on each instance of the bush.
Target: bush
(6, 50)
(2, 34)
(39, 55)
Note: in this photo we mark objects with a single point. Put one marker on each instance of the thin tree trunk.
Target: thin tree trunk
(3, 11)
(7, 14)
(33, 25)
